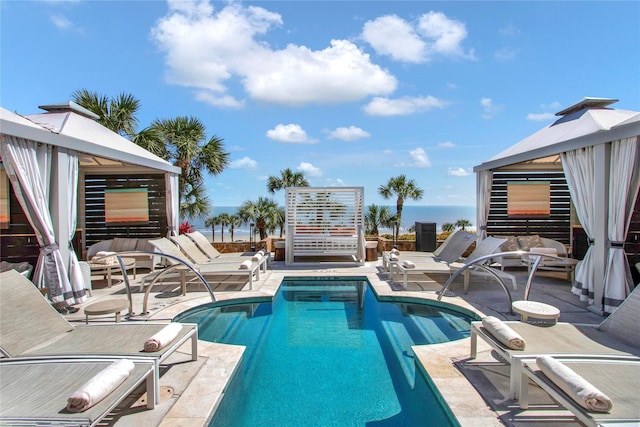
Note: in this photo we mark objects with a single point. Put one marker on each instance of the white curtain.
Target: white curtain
(579, 169)
(623, 190)
(483, 197)
(75, 273)
(173, 204)
(28, 166)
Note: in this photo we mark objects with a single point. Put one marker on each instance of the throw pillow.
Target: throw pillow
(527, 242)
(510, 245)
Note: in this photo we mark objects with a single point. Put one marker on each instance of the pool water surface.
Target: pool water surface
(326, 352)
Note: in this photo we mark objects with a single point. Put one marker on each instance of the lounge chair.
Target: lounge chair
(484, 247)
(198, 256)
(35, 391)
(450, 250)
(614, 337)
(179, 263)
(32, 327)
(617, 379)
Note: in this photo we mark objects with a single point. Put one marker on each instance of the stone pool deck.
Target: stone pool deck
(475, 390)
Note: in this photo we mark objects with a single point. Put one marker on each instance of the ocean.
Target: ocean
(410, 215)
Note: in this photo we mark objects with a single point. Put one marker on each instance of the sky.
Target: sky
(351, 93)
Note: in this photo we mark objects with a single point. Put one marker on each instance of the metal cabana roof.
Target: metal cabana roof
(584, 124)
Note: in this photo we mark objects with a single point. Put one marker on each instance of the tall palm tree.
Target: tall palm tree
(117, 114)
(223, 220)
(184, 139)
(281, 219)
(463, 223)
(403, 188)
(375, 217)
(448, 227)
(212, 222)
(262, 212)
(288, 178)
(234, 221)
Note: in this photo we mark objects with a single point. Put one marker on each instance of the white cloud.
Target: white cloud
(309, 169)
(446, 144)
(351, 133)
(505, 54)
(243, 163)
(402, 106)
(211, 51)
(63, 23)
(555, 105)
(432, 35)
(489, 108)
(337, 182)
(540, 117)
(290, 133)
(458, 172)
(419, 158)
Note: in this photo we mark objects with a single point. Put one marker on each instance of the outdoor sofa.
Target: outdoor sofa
(126, 244)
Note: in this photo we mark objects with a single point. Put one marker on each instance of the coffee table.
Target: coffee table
(110, 306)
(107, 269)
(565, 265)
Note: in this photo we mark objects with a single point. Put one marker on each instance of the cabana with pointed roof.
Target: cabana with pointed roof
(45, 156)
(598, 149)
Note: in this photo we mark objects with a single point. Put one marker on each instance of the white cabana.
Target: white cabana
(43, 155)
(598, 148)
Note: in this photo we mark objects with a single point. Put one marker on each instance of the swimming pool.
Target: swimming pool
(326, 352)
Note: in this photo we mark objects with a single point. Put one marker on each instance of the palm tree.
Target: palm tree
(375, 217)
(234, 221)
(462, 223)
(288, 178)
(212, 222)
(448, 227)
(223, 219)
(403, 188)
(183, 139)
(262, 212)
(117, 114)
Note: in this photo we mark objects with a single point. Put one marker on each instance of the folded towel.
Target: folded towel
(101, 254)
(503, 333)
(394, 257)
(256, 257)
(245, 265)
(163, 337)
(545, 251)
(104, 258)
(395, 251)
(576, 387)
(408, 264)
(98, 387)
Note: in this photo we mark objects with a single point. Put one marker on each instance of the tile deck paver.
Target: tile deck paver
(472, 404)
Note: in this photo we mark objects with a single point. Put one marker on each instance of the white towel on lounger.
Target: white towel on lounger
(408, 264)
(580, 390)
(503, 333)
(257, 256)
(393, 257)
(245, 265)
(98, 387)
(395, 251)
(163, 337)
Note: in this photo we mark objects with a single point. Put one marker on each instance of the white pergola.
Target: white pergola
(598, 148)
(325, 222)
(44, 155)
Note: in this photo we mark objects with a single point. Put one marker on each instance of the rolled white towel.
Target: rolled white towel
(503, 333)
(394, 257)
(408, 264)
(101, 254)
(99, 387)
(163, 337)
(246, 265)
(257, 256)
(395, 251)
(263, 252)
(580, 390)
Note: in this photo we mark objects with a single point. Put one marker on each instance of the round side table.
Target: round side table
(110, 306)
(535, 309)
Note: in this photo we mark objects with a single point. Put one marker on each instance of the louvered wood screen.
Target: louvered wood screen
(324, 221)
(96, 228)
(557, 225)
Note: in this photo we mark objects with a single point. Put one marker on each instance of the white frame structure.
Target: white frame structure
(324, 222)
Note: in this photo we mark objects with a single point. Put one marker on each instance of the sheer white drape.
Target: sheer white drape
(579, 169)
(483, 196)
(623, 190)
(76, 278)
(173, 204)
(28, 166)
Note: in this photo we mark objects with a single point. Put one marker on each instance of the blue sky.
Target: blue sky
(351, 93)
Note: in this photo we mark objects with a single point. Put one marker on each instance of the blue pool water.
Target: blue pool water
(326, 352)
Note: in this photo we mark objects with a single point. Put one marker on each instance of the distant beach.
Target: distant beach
(410, 215)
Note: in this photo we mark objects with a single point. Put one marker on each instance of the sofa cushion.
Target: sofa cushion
(527, 242)
(144, 245)
(121, 244)
(510, 245)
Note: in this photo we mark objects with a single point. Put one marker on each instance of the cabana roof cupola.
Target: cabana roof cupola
(325, 222)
